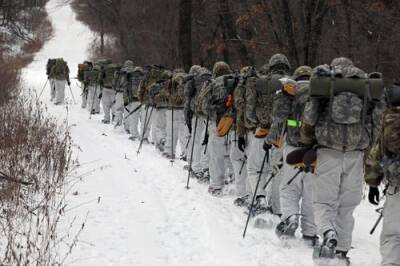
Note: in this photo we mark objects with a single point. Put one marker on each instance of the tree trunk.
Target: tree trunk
(185, 33)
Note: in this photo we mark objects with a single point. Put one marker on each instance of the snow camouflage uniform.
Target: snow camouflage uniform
(288, 109)
(107, 91)
(212, 110)
(91, 78)
(82, 68)
(159, 96)
(197, 78)
(122, 80)
(176, 129)
(60, 73)
(384, 162)
(133, 108)
(342, 128)
(260, 93)
(50, 63)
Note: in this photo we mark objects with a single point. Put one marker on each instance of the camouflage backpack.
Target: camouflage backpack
(108, 75)
(60, 70)
(81, 71)
(217, 97)
(176, 99)
(137, 77)
(49, 66)
(91, 77)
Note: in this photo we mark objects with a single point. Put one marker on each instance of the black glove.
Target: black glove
(126, 104)
(241, 144)
(267, 146)
(69, 83)
(373, 195)
(205, 141)
(100, 95)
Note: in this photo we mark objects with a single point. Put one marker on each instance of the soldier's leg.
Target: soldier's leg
(275, 160)
(97, 100)
(308, 226)
(107, 101)
(390, 236)
(254, 163)
(52, 89)
(183, 133)
(326, 187)
(350, 196)
(133, 120)
(197, 166)
(238, 159)
(143, 119)
(119, 108)
(169, 140)
(60, 91)
(217, 157)
(84, 96)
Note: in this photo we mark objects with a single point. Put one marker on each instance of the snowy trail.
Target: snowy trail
(145, 216)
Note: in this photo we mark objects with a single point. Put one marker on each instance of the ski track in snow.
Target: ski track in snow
(146, 216)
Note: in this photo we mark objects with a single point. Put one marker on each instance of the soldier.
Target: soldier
(133, 107)
(93, 89)
(295, 194)
(50, 63)
(384, 163)
(176, 129)
(196, 123)
(60, 74)
(122, 80)
(340, 125)
(260, 93)
(86, 66)
(107, 91)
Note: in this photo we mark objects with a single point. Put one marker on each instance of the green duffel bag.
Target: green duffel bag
(320, 86)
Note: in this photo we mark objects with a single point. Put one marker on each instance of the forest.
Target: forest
(179, 33)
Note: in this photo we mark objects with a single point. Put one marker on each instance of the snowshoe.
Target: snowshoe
(132, 138)
(105, 122)
(229, 179)
(242, 201)
(183, 157)
(261, 206)
(92, 112)
(342, 259)
(160, 147)
(326, 251)
(287, 228)
(204, 177)
(216, 192)
(146, 141)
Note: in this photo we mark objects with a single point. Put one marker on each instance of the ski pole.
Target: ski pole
(266, 155)
(133, 111)
(41, 92)
(377, 221)
(294, 177)
(206, 135)
(172, 136)
(73, 98)
(191, 152)
(146, 124)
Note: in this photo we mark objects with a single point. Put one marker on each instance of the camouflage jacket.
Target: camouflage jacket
(131, 92)
(122, 79)
(177, 91)
(160, 92)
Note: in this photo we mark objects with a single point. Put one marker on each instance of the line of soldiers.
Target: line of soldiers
(57, 72)
(295, 144)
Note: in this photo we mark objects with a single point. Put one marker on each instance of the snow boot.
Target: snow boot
(216, 192)
(242, 201)
(204, 177)
(342, 258)
(287, 228)
(311, 241)
(105, 121)
(261, 206)
(132, 138)
(328, 248)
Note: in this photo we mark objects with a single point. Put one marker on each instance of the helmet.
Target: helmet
(353, 72)
(166, 74)
(128, 63)
(341, 62)
(278, 59)
(194, 70)
(302, 71)
(221, 68)
(138, 69)
(248, 71)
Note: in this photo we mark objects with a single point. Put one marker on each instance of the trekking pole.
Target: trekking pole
(73, 98)
(377, 221)
(145, 126)
(191, 152)
(41, 92)
(172, 137)
(206, 135)
(295, 176)
(93, 99)
(266, 155)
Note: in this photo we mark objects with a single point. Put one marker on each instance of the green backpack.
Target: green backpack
(108, 75)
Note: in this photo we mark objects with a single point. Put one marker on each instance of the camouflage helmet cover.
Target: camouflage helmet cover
(341, 62)
(302, 71)
(278, 59)
(221, 68)
(194, 70)
(129, 63)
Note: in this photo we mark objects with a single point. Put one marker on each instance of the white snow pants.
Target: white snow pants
(390, 236)
(119, 108)
(254, 162)
(132, 121)
(107, 102)
(158, 125)
(144, 118)
(200, 160)
(180, 134)
(93, 101)
(52, 89)
(296, 198)
(60, 91)
(84, 96)
(216, 148)
(337, 191)
(239, 164)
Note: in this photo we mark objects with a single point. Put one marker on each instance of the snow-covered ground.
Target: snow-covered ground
(139, 212)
